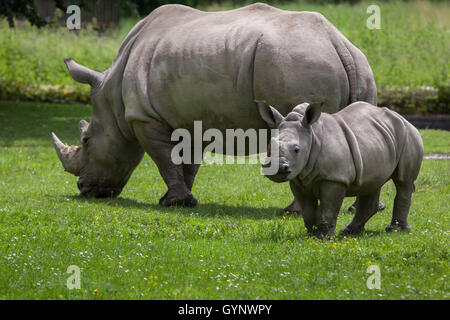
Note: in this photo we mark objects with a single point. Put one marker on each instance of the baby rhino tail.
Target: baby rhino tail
(411, 157)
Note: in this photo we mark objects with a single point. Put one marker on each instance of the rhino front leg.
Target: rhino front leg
(331, 197)
(294, 207)
(155, 138)
(308, 205)
(189, 172)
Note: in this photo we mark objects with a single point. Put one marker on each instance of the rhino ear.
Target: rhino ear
(82, 74)
(83, 126)
(300, 108)
(269, 114)
(312, 114)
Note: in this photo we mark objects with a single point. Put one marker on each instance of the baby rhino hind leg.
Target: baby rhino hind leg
(366, 207)
(402, 202)
(404, 176)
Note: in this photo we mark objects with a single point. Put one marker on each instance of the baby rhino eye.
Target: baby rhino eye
(296, 149)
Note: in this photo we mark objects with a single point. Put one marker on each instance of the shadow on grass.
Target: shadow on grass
(36, 120)
(217, 210)
(213, 210)
(364, 234)
(371, 233)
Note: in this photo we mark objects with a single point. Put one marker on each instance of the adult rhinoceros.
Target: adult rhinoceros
(180, 64)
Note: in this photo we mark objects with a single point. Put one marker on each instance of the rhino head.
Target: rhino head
(290, 149)
(106, 158)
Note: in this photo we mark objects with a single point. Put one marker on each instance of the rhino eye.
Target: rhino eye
(296, 149)
(85, 140)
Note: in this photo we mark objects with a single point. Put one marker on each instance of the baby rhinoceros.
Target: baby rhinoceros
(326, 157)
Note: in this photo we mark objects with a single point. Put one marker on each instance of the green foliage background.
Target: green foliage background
(409, 54)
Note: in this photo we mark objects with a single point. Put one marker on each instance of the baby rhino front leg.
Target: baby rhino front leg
(331, 197)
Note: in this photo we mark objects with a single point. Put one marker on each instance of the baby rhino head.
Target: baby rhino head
(289, 149)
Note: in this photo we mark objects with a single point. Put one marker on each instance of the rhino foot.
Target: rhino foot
(177, 197)
(324, 235)
(381, 206)
(294, 207)
(187, 201)
(348, 230)
(322, 231)
(396, 226)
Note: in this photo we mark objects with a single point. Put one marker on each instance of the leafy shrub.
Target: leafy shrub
(408, 54)
(414, 100)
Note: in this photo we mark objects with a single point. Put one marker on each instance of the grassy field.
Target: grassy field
(410, 49)
(234, 245)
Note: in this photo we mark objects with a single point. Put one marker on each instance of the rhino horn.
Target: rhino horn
(82, 74)
(70, 156)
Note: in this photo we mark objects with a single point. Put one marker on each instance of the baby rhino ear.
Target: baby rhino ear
(269, 114)
(300, 108)
(312, 114)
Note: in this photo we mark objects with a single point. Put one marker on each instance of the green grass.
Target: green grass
(436, 141)
(410, 49)
(233, 245)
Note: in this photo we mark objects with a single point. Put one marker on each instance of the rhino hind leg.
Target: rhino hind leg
(403, 177)
(366, 207)
(155, 138)
(402, 203)
(381, 206)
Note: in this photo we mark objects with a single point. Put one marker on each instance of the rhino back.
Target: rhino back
(375, 138)
(188, 65)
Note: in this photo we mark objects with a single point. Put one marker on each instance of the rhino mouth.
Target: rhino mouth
(279, 177)
(97, 191)
(282, 175)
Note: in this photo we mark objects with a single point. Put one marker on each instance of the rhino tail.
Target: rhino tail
(349, 65)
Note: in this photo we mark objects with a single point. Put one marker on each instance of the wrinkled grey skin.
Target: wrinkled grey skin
(180, 64)
(350, 153)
